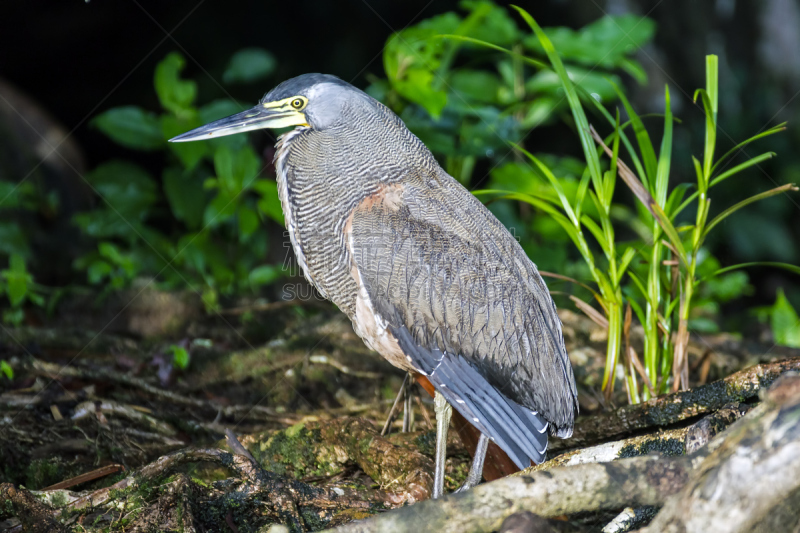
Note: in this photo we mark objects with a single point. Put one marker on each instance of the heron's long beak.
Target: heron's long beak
(260, 117)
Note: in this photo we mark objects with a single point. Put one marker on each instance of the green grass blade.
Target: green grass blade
(785, 266)
(582, 125)
(664, 154)
(553, 182)
(738, 147)
(742, 166)
(596, 231)
(626, 259)
(637, 163)
(643, 139)
(763, 196)
(524, 58)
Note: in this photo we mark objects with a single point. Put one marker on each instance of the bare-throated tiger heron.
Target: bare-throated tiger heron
(429, 277)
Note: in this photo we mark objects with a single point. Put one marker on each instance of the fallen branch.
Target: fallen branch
(676, 407)
(566, 490)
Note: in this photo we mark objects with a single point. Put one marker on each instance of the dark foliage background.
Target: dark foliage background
(78, 59)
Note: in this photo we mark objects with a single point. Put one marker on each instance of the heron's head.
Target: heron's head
(318, 101)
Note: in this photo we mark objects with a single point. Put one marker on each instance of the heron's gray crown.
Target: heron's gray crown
(328, 98)
(300, 86)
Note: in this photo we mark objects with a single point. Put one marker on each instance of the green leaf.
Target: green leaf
(236, 169)
(186, 196)
(475, 85)
(12, 239)
(603, 43)
(132, 127)
(220, 209)
(269, 203)
(582, 125)
(17, 279)
(738, 148)
(6, 369)
(180, 356)
(248, 65)
(755, 198)
(417, 86)
(189, 154)
(495, 26)
(742, 166)
(643, 139)
(785, 266)
(127, 188)
(664, 155)
(248, 222)
(175, 95)
(265, 274)
(785, 322)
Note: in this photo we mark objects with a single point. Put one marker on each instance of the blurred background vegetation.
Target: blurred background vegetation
(92, 196)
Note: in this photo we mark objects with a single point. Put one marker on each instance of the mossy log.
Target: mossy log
(673, 408)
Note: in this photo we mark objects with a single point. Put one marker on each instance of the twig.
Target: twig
(236, 446)
(88, 476)
(390, 416)
(325, 360)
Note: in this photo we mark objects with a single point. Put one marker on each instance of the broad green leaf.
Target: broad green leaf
(495, 26)
(12, 239)
(180, 356)
(220, 209)
(417, 86)
(265, 274)
(248, 222)
(185, 195)
(269, 203)
(236, 170)
(132, 127)
(785, 322)
(190, 154)
(176, 95)
(127, 188)
(6, 369)
(17, 279)
(603, 43)
(475, 85)
(248, 65)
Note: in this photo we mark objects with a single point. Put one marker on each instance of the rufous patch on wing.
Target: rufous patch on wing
(388, 196)
(370, 326)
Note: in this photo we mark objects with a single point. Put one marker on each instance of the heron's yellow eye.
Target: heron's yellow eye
(298, 103)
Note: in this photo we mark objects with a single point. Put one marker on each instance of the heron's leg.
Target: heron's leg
(476, 470)
(389, 418)
(408, 409)
(443, 412)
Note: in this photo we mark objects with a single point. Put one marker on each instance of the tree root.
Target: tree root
(35, 516)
